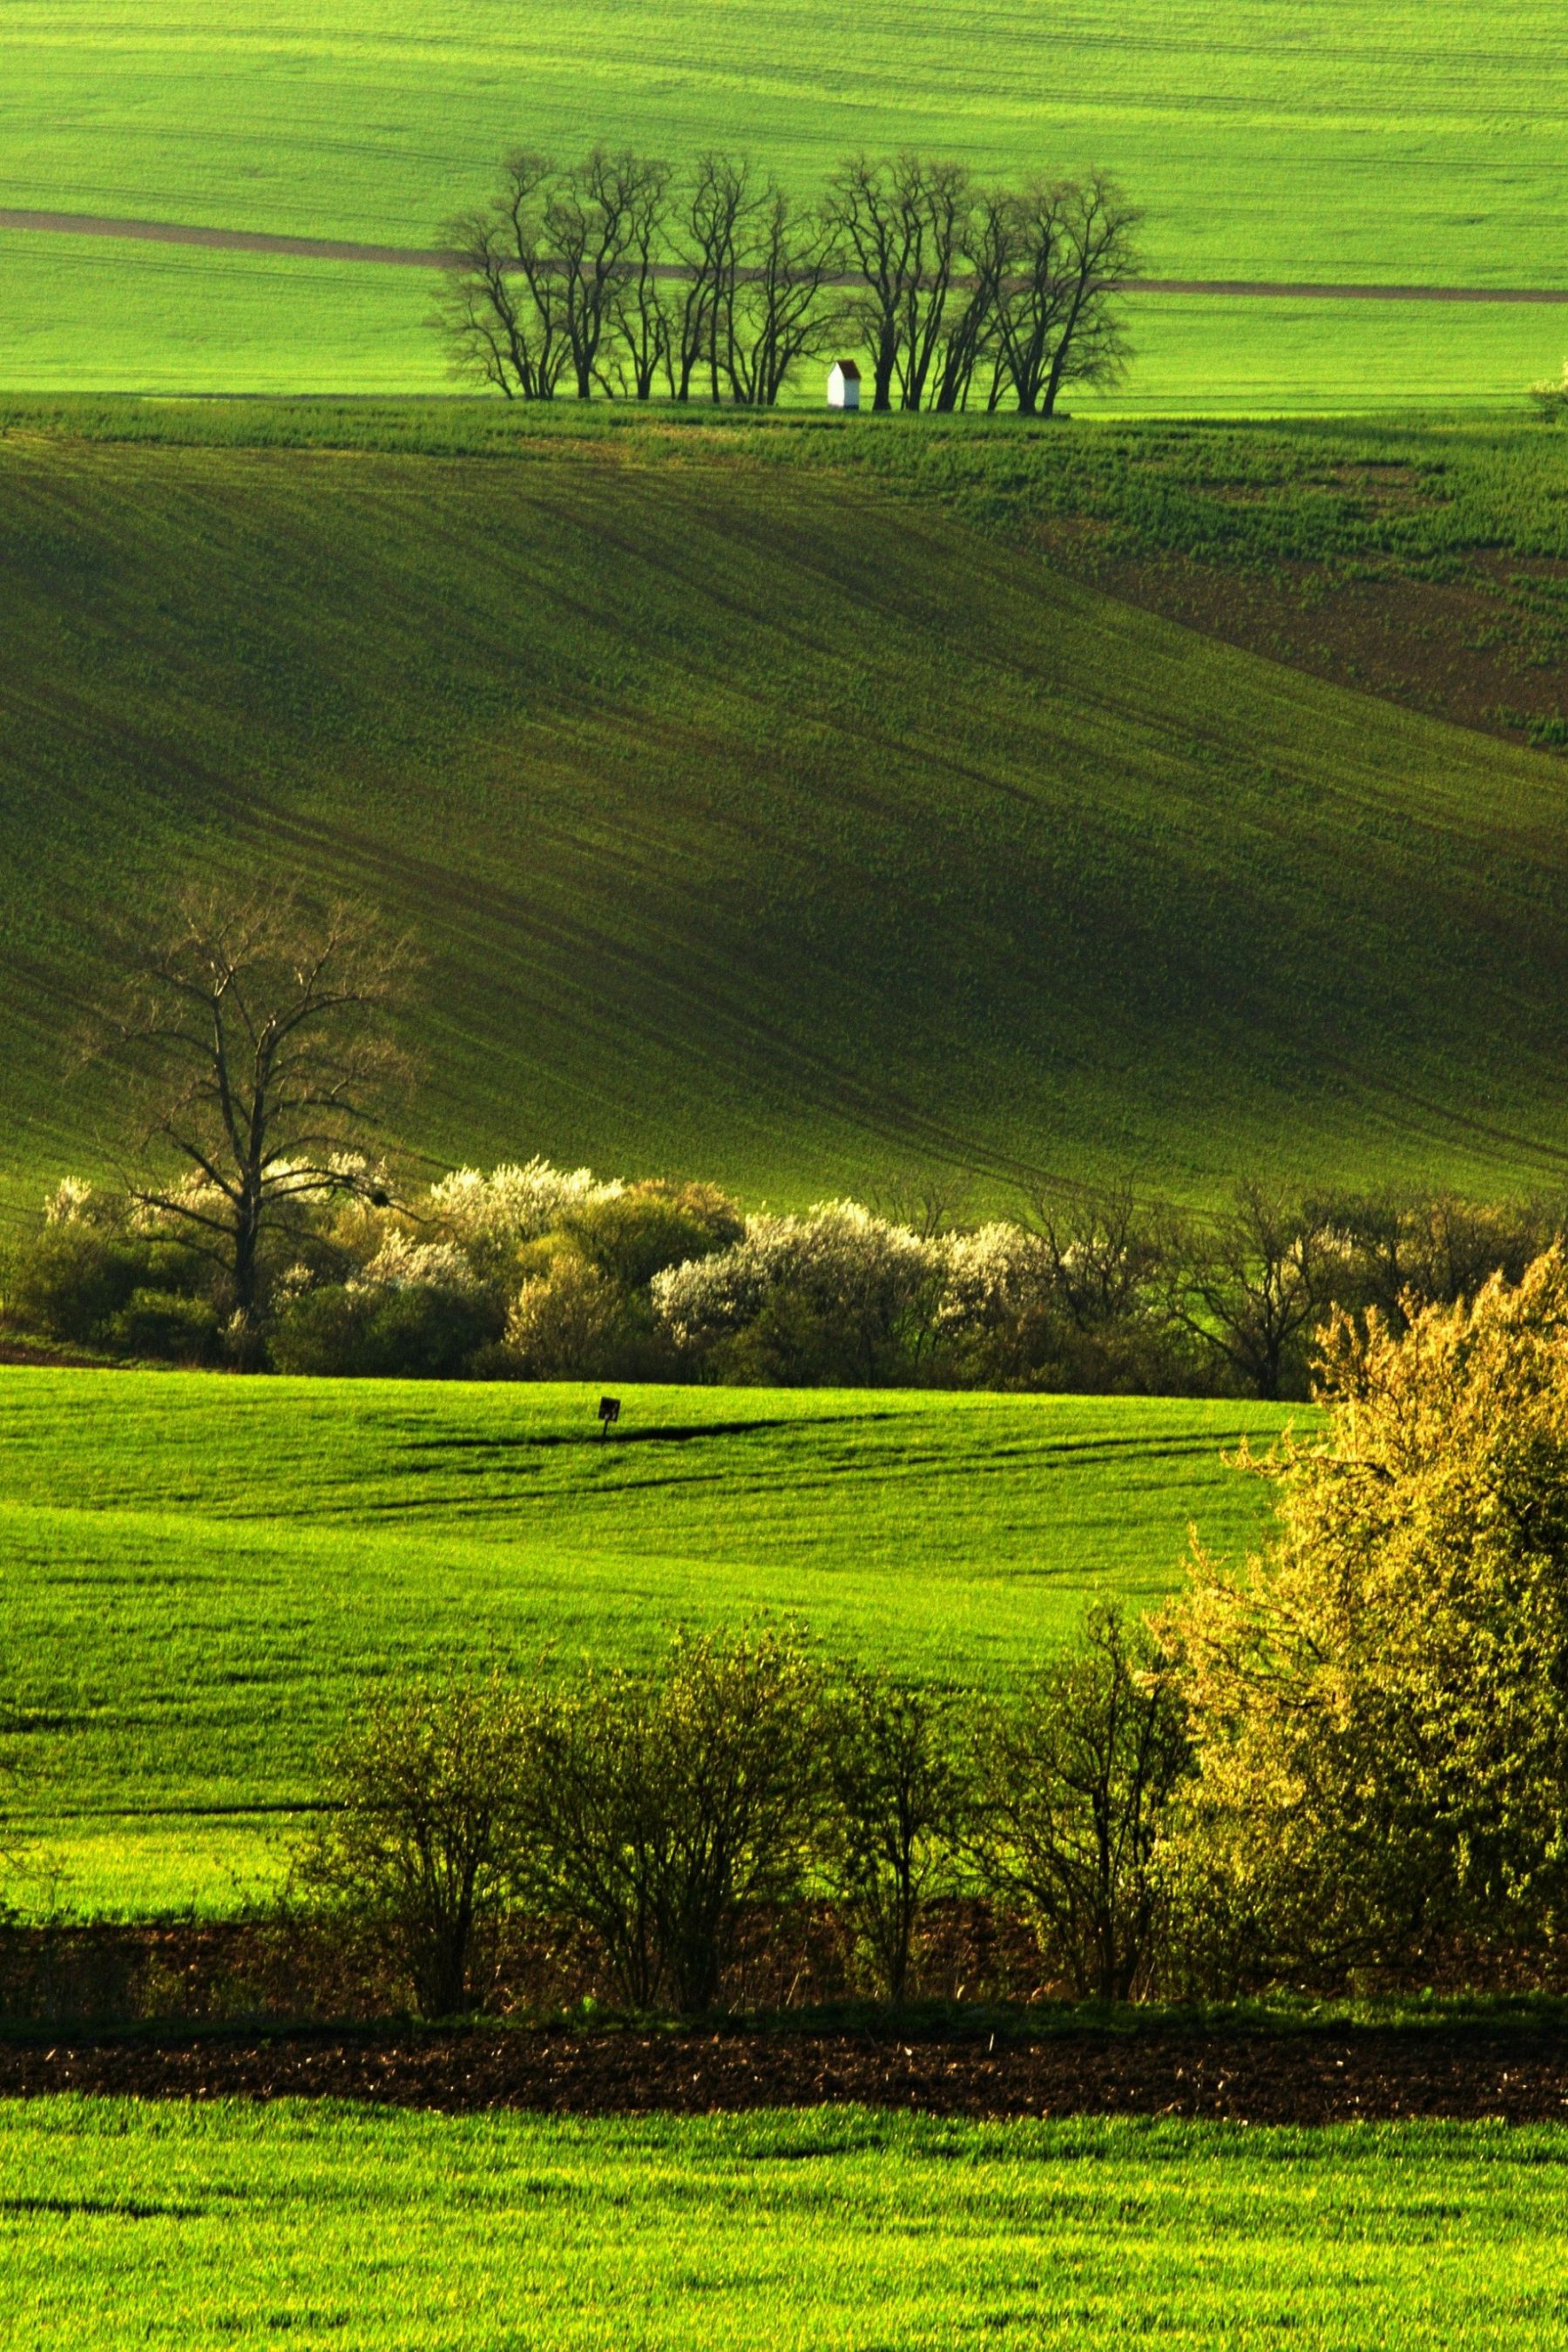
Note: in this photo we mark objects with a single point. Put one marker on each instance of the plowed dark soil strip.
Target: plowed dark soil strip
(327, 249)
(1304, 2078)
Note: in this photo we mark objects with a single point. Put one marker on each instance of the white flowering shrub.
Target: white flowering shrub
(991, 1276)
(490, 1215)
(70, 1204)
(839, 1259)
(404, 1263)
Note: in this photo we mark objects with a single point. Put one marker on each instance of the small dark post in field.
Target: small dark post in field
(610, 1410)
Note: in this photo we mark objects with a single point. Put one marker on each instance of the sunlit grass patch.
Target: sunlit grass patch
(201, 2226)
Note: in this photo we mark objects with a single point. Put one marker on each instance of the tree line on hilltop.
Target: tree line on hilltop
(620, 275)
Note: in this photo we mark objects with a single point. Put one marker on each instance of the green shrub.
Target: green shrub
(418, 1333)
(638, 1233)
(71, 1279)
(166, 1324)
(1550, 397)
(574, 1322)
(423, 1836)
(92, 1280)
(671, 1804)
(795, 1341)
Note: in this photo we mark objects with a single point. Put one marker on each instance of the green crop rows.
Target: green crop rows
(1318, 142)
(228, 2225)
(200, 1573)
(774, 812)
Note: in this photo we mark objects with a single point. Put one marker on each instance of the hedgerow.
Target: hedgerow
(534, 1272)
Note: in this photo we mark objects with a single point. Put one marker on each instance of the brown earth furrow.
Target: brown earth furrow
(224, 240)
(326, 248)
(1305, 2078)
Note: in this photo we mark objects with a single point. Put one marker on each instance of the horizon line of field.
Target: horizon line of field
(322, 249)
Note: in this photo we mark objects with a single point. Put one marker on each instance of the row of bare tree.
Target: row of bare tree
(617, 275)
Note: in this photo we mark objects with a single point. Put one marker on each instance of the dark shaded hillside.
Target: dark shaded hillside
(762, 826)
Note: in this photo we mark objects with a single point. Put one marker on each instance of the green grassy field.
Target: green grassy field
(169, 320)
(1316, 141)
(200, 1573)
(225, 2225)
(773, 811)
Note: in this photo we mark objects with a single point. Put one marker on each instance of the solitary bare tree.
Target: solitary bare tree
(258, 1033)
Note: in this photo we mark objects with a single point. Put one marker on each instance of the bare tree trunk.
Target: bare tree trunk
(904, 224)
(589, 226)
(880, 228)
(942, 198)
(987, 255)
(639, 313)
(258, 1034)
(1060, 316)
(500, 309)
(778, 311)
(720, 195)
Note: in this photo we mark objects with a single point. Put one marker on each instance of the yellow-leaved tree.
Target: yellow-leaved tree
(1379, 1701)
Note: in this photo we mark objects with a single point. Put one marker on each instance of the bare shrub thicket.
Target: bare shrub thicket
(673, 1805)
(1079, 1793)
(898, 1777)
(657, 1816)
(422, 1839)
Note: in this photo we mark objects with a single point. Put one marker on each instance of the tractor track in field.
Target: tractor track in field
(1384, 2075)
(326, 248)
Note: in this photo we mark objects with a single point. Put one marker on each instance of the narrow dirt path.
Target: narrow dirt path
(224, 240)
(327, 248)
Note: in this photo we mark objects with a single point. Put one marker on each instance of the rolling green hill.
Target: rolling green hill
(1305, 139)
(199, 1573)
(764, 821)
